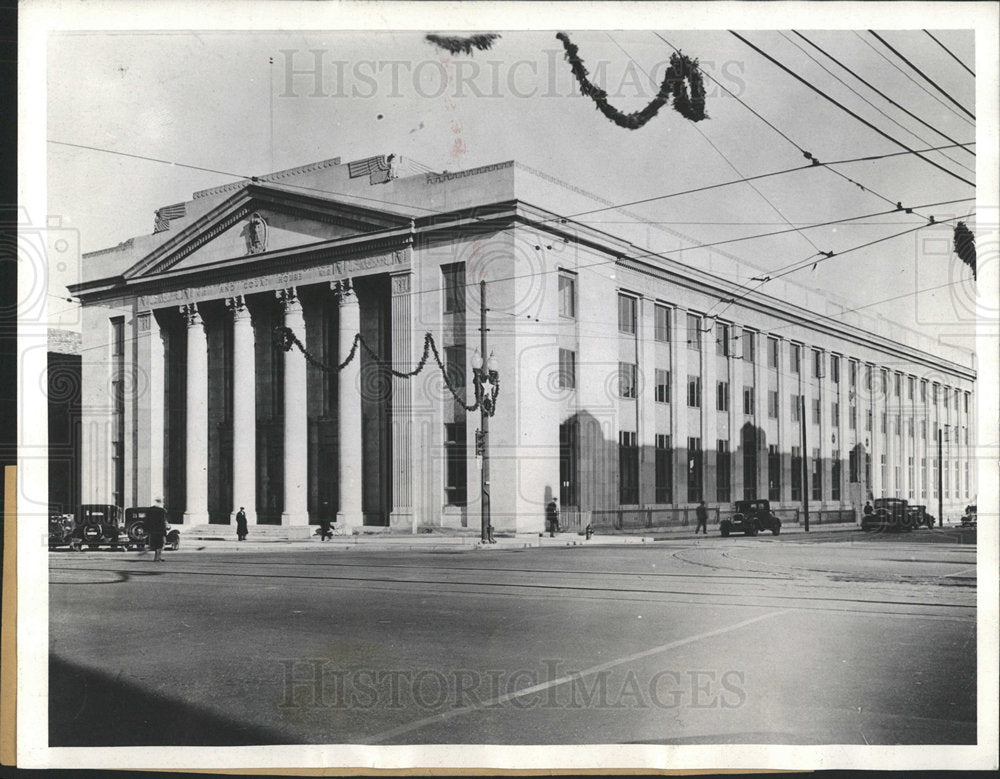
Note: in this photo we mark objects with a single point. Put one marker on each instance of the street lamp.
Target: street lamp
(485, 380)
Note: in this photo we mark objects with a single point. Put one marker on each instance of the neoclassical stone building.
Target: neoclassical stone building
(629, 381)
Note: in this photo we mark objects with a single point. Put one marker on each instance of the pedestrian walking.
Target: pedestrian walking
(157, 529)
(241, 524)
(325, 533)
(552, 517)
(868, 510)
(702, 513)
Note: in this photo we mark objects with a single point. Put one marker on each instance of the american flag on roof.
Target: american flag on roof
(367, 166)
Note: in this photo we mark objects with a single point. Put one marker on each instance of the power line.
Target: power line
(926, 78)
(971, 72)
(900, 125)
(911, 79)
(805, 153)
(847, 110)
(885, 97)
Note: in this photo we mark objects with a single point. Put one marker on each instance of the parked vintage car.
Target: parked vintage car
(100, 524)
(969, 518)
(919, 517)
(750, 517)
(890, 514)
(136, 528)
(62, 529)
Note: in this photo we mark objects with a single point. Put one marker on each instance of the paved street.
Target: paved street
(835, 638)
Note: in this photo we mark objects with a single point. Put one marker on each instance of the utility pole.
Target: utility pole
(484, 425)
(805, 465)
(940, 476)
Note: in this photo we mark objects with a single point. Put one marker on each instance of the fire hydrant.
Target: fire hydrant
(590, 531)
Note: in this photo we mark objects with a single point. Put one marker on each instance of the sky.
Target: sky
(248, 103)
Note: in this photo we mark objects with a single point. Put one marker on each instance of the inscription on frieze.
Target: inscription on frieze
(320, 273)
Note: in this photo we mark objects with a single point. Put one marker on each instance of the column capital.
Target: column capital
(237, 306)
(344, 291)
(401, 283)
(289, 299)
(191, 314)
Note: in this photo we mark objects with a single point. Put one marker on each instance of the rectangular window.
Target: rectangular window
(909, 387)
(899, 425)
(835, 369)
(909, 427)
(694, 470)
(835, 475)
(455, 487)
(453, 278)
(885, 383)
(796, 354)
(910, 473)
(796, 473)
(934, 393)
(722, 338)
(966, 402)
(626, 313)
(569, 454)
(773, 473)
(772, 404)
(898, 380)
(835, 414)
(661, 325)
(694, 391)
(748, 401)
(947, 395)
(885, 423)
(853, 374)
(626, 379)
(664, 470)
(567, 297)
(868, 377)
(817, 411)
(749, 340)
(853, 417)
(567, 369)
(924, 477)
(772, 353)
(694, 332)
(956, 405)
(722, 469)
(749, 445)
(868, 420)
(454, 363)
(817, 476)
(796, 408)
(947, 481)
(628, 468)
(923, 390)
(722, 396)
(817, 364)
(662, 386)
(884, 466)
(923, 429)
(853, 474)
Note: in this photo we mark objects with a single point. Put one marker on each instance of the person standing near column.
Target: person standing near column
(157, 529)
(702, 513)
(241, 524)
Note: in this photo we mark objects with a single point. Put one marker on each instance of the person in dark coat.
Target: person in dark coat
(325, 532)
(241, 524)
(868, 510)
(157, 528)
(552, 517)
(702, 513)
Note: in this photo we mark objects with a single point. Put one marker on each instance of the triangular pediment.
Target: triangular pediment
(261, 219)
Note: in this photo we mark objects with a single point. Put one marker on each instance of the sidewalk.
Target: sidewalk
(458, 543)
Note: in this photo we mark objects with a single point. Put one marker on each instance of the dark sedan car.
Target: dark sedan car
(890, 514)
(750, 517)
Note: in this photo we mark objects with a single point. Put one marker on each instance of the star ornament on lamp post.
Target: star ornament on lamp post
(486, 382)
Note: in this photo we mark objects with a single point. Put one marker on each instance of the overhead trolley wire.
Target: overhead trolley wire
(926, 78)
(847, 110)
(951, 54)
(885, 97)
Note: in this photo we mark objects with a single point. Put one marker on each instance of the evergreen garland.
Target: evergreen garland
(459, 45)
(682, 74)
(965, 246)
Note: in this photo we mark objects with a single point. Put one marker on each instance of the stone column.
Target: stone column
(157, 408)
(244, 411)
(296, 420)
(196, 508)
(402, 422)
(349, 410)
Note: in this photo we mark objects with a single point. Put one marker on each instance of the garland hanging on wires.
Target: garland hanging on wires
(682, 74)
(286, 339)
(459, 45)
(965, 246)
